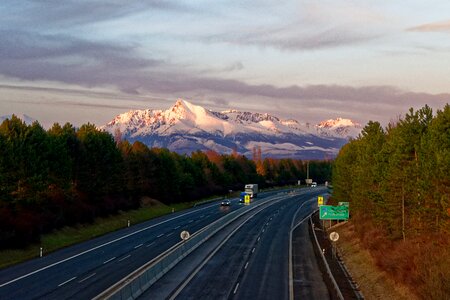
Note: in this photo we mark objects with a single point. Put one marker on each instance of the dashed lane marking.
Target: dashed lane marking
(90, 276)
(140, 245)
(236, 288)
(123, 258)
(111, 259)
(67, 281)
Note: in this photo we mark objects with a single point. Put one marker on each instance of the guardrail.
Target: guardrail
(330, 275)
(140, 280)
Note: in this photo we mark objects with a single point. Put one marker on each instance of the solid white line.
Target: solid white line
(135, 247)
(246, 265)
(86, 278)
(236, 288)
(160, 235)
(123, 258)
(61, 284)
(111, 259)
(102, 245)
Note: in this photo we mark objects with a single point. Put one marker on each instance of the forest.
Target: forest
(65, 176)
(397, 180)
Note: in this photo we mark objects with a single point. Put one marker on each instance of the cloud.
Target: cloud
(432, 27)
(62, 58)
(45, 13)
(293, 38)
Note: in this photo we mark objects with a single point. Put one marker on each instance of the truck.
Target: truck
(242, 197)
(251, 189)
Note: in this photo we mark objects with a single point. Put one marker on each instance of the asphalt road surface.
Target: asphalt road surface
(254, 262)
(85, 270)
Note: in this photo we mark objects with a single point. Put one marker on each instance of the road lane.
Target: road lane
(252, 263)
(50, 277)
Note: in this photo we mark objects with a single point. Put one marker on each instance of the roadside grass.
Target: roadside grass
(373, 282)
(418, 268)
(67, 236)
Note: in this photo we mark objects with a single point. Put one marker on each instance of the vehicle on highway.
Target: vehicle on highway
(225, 202)
(314, 184)
(242, 197)
(252, 190)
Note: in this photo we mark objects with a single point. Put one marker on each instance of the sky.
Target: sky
(83, 61)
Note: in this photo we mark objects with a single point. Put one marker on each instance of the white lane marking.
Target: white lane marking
(236, 288)
(102, 245)
(140, 245)
(253, 250)
(177, 227)
(246, 265)
(162, 234)
(202, 216)
(92, 275)
(150, 244)
(123, 258)
(190, 221)
(111, 259)
(170, 233)
(263, 230)
(67, 281)
(259, 238)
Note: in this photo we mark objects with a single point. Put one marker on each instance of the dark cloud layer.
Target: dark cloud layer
(48, 13)
(70, 60)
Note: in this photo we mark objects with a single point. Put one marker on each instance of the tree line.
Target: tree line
(66, 175)
(399, 176)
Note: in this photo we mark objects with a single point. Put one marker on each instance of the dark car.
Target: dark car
(225, 202)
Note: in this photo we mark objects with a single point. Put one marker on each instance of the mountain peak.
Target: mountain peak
(186, 127)
(338, 122)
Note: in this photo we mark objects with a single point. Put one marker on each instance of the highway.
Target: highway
(244, 268)
(253, 260)
(84, 270)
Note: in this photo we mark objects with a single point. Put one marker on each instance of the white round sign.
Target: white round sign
(185, 235)
(334, 236)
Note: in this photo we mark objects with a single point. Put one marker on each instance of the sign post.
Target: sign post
(334, 236)
(320, 200)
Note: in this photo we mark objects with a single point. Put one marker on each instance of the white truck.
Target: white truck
(252, 190)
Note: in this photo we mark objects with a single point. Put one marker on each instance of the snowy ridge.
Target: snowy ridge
(186, 127)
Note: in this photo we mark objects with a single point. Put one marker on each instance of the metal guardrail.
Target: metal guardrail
(140, 280)
(330, 275)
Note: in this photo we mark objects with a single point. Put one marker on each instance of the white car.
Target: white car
(314, 184)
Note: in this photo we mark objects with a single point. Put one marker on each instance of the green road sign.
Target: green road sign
(344, 204)
(329, 212)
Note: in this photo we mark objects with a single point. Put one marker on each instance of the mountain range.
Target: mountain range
(186, 127)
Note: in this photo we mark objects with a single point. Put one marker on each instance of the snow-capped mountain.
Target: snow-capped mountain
(186, 127)
(339, 127)
(25, 118)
